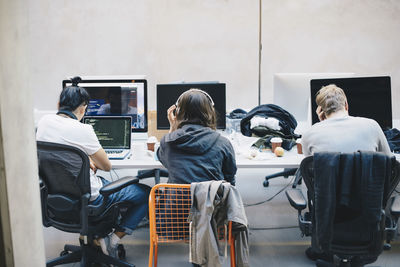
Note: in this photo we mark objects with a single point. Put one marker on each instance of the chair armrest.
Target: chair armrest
(296, 199)
(395, 207)
(118, 185)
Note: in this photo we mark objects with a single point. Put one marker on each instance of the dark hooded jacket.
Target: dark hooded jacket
(195, 153)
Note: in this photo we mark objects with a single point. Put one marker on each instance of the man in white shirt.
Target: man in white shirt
(66, 128)
(339, 132)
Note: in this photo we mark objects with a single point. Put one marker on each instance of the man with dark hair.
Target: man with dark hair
(66, 128)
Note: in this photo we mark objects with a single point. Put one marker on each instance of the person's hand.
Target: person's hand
(320, 113)
(171, 116)
(93, 166)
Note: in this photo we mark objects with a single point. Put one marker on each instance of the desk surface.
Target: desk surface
(145, 160)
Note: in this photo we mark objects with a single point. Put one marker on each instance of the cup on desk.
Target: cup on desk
(275, 142)
(151, 143)
(299, 146)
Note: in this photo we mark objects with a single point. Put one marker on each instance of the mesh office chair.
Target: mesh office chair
(169, 208)
(65, 193)
(355, 241)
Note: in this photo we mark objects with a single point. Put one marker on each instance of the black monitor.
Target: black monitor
(117, 97)
(368, 97)
(167, 94)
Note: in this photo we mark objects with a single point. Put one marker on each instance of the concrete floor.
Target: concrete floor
(274, 238)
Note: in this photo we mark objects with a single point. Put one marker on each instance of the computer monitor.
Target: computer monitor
(167, 94)
(368, 97)
(292, 92)
(117, 97)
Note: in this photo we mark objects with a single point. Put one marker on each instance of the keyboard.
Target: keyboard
(117, 153)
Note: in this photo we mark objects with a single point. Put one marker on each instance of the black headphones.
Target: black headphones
(68, 113)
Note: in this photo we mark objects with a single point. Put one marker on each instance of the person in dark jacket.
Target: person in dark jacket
(193, 151)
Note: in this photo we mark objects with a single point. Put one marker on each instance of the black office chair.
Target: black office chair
(285, 173)
(355, 241)
(65, 193)
(156, 173)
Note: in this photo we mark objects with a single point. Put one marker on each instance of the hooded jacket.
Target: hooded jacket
(195, 153)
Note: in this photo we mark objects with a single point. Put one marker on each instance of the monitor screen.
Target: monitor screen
(368, 97)
(167, 94)
(117, 98)
(112, 132)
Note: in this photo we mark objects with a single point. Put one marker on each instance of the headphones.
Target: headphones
(68, 113)
(193, 90)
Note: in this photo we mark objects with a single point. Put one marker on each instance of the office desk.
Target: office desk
(145, 160)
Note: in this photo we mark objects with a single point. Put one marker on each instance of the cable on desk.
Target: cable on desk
(271, 198)
(112, 179)
(116, 173)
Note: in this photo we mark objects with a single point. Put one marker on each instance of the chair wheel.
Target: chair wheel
(266, 183)
(64, 253)
(121, 252)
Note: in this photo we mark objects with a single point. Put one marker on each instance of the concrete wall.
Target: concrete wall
(170, 40)
(20, 198)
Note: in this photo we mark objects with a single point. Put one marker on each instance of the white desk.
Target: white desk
(141, 159)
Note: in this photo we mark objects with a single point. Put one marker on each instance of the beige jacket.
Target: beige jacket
(214, 203)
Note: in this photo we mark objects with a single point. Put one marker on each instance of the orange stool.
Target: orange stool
(169, 207)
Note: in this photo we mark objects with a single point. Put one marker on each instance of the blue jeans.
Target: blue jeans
(135, 197)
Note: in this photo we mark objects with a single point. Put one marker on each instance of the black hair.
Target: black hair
(73, 96)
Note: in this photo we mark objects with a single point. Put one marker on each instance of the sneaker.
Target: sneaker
(143, 223)
(107, 248)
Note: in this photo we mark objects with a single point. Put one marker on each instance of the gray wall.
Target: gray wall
(196, 40)
(21, 219)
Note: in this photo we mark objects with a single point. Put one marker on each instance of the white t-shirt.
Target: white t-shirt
(67, 131)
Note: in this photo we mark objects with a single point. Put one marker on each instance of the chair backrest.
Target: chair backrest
(169, 207)
(353, 233)
(65, 175)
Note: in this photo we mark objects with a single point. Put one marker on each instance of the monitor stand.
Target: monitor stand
(139, 137)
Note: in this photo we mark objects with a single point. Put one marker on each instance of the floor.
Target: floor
(275, 239)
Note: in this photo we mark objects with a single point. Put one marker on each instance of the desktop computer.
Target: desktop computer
(368, 97)
(117, 97)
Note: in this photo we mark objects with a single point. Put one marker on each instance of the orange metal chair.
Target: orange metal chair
(169, 207)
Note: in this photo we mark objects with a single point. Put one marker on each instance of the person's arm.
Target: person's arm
(229, 165)
(171, 118)
(320, 113)
(100, 160)
(305, 144)
(383, 145)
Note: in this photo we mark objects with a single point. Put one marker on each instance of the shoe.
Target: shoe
(143, 223)
(107, 248)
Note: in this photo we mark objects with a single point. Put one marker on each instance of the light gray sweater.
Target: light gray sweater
(346, 134)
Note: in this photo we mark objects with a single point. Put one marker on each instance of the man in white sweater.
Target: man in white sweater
(339, 132)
